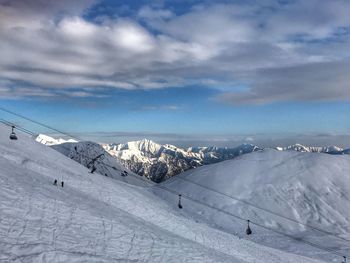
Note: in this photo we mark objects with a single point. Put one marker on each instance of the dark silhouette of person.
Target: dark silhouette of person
(55, 182)
(62, 183)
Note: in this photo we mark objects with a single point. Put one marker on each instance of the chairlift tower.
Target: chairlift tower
(92, 162)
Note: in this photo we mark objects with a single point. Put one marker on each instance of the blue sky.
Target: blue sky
(183, 72)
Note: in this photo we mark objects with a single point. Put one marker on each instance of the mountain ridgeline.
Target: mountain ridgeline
(159, 162)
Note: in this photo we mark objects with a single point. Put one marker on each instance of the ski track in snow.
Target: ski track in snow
(99, 219)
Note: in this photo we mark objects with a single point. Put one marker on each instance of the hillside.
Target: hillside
(95, 218)
(310, 188)
(105, 164)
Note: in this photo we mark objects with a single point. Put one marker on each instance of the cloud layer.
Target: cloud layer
(257, 52)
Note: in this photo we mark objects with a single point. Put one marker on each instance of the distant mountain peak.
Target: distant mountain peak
(47, 140)
(302, 148)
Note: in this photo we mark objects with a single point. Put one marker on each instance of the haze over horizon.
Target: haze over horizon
(189, 73)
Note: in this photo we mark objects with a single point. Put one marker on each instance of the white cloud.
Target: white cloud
(132, 37)
(274, 50)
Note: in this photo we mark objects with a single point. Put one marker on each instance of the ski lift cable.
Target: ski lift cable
(51, 128)
(181, 178)
(34, 134)
(329, 250)
(39, 123)
(67, 148)
(210, 189)
(194, 200)
(184, 179)
(16, 127)
(263, 209)
(205, 187)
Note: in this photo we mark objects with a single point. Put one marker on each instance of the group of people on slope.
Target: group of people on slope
(55, 183)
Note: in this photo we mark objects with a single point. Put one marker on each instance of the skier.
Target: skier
(55, 182)
(62, 183)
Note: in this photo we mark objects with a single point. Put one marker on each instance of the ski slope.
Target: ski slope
(310, 188)
(95, 218)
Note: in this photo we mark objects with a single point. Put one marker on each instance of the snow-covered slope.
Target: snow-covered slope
(311, 188)
(159, 162)
(85, 152)
(95, 218)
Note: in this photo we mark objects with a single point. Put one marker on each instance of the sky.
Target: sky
(182, 72)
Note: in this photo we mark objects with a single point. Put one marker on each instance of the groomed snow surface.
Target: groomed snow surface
(96, 218)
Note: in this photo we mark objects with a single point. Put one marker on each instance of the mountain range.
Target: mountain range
(159, 162)
(96, 218)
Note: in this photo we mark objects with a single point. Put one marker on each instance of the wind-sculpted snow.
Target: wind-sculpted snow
(310, 188)
(95, 218)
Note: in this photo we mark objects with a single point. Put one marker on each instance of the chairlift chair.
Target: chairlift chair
(179, 204)
(13, 135)
(248, 231)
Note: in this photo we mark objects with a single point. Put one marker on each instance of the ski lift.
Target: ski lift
(179, 205)
(248, 231)
(13, 135)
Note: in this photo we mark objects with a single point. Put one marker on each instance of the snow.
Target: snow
(85, 152)
(47, 140)
(301, 148)
(95, 218)
(307, 187)
(159, 162)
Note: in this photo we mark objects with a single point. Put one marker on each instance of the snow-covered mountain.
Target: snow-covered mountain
(301, 148)
(47, 140)
(94, 218)
(310, 188)
(159, 162)
(85, 152)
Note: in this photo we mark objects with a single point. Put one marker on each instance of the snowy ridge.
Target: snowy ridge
(47, 140)
(159, 162)
(98, 219)
(301, 148)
